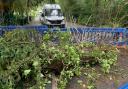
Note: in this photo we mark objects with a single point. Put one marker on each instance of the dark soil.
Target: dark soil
(117, 77)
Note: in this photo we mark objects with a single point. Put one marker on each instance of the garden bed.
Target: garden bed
(32, 62)
(117, 77)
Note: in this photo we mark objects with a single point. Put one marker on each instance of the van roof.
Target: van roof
(51, 6)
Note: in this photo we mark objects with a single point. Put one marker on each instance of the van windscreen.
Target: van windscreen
(53, 12)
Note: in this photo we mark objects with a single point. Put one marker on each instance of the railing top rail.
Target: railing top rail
(79, 29)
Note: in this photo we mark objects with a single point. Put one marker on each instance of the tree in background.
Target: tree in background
(8, 7)
(111, 13)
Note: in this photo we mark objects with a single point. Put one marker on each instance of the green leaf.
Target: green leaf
(35, 63)
(26, 72)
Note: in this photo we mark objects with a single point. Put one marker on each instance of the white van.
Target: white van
(52, 16)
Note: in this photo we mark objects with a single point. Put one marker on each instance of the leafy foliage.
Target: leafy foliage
(103, 55)
(26, 64)
(105, 13)
(112, 13)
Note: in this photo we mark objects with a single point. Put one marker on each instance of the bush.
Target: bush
(25, 64)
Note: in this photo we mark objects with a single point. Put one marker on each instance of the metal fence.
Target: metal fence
(114, 36)
(101, 35)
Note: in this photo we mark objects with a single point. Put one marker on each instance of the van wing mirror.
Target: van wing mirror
(42, 14)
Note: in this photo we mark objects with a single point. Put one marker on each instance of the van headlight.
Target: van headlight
(63, 22)
(48, 22)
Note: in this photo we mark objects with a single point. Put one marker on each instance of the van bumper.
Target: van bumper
(56, 25)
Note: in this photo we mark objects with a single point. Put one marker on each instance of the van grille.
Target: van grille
(55, 22)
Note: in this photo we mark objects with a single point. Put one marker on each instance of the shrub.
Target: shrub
(25, 64)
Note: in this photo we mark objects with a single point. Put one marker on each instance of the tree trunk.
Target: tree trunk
(7, 12)
(97, 3)
(54, 82)
(6, 16)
